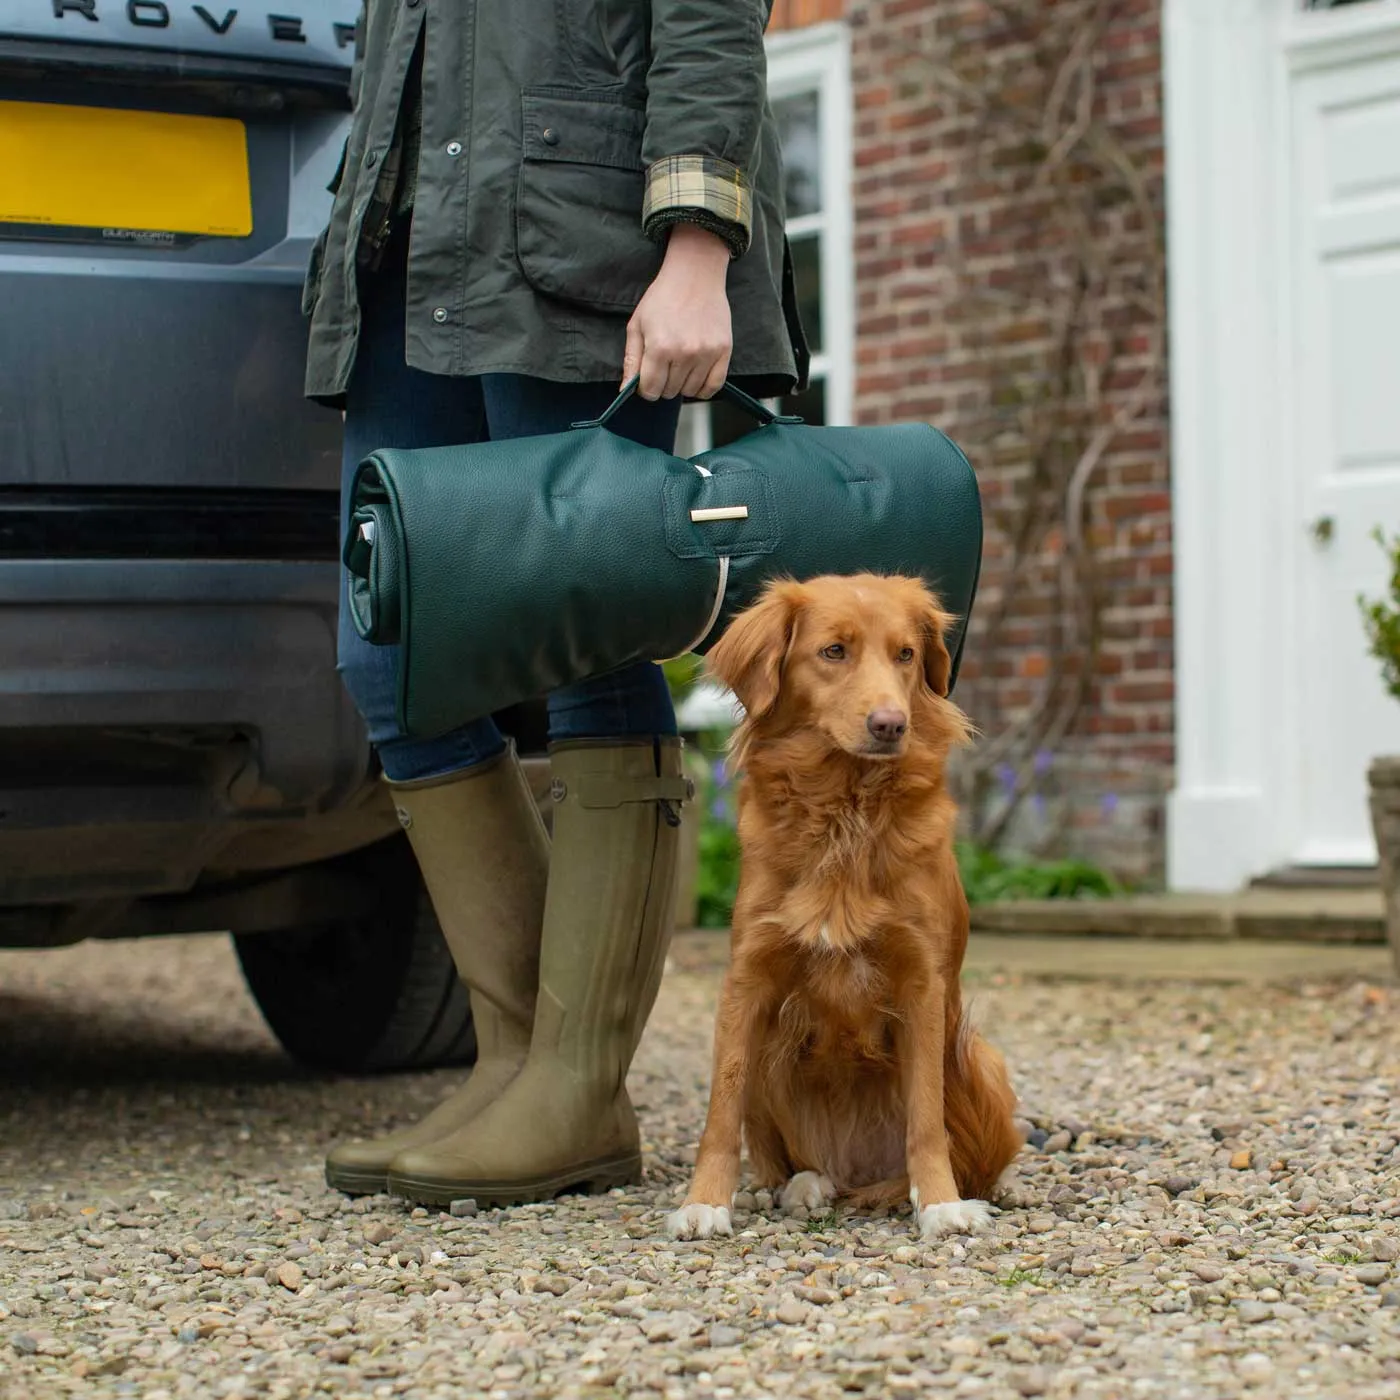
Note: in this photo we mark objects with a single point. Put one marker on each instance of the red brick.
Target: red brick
(956, 255)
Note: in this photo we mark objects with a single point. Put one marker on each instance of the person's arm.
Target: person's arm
(705, 100)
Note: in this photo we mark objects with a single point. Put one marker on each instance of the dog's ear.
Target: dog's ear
(933, 625)
(748, 658)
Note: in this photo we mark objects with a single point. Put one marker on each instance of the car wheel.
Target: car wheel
(365, 994)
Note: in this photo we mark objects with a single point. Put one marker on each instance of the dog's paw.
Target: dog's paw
(953, 1218)
(809, 1189)
(698, 1222)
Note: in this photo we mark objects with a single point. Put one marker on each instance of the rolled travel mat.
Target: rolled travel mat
(504, 570)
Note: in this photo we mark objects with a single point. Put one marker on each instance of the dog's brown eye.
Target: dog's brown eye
(906, 654)
(835, 652)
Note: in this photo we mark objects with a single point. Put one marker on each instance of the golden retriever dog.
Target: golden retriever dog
(842, 1056)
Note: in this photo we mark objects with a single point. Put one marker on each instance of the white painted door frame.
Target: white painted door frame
(1231, 220)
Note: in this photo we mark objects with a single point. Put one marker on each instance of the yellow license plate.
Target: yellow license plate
(92, 167)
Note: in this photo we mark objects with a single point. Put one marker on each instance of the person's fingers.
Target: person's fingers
(714, 381)
(697, 375)
(678, 373)
(632, 353)
(689, 377)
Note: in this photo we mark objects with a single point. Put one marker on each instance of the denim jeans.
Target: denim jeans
(390, 405)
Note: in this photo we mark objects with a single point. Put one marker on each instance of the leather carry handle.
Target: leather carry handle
(747, 402)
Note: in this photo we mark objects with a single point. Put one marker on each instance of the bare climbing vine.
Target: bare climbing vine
(1087, 291)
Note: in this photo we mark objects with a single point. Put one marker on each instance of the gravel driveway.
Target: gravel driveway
(1211, 1205)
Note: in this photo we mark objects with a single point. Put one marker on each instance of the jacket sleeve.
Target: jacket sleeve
(706, 91)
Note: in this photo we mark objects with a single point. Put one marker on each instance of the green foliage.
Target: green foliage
(717, 881)
(718, 884)
(682, 673)
(987, 876)
(1018, 1276)
(1381, 618)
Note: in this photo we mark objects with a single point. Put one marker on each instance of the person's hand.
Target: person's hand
(680, 337)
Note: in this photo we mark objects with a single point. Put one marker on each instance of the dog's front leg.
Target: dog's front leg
(933, 1189)
(706, 1208)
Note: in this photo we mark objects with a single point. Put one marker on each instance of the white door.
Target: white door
(1346, 420)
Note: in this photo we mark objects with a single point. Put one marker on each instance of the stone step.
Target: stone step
(1301, 915)
(991, 956)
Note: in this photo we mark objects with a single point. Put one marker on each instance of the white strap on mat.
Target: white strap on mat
(721, 588)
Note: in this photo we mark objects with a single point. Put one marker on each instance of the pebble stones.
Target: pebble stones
(191, 1249)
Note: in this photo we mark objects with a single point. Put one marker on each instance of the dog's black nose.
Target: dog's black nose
(887, 725)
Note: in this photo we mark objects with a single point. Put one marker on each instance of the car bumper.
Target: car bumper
(163, 722)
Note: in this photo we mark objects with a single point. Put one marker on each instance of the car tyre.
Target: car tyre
(366, 994)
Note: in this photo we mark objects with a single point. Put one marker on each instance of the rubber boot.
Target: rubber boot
(566, 1121)
(481, 845)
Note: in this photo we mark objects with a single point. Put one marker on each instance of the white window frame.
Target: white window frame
(817, 59)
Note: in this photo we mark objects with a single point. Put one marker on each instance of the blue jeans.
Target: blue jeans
(390, 405)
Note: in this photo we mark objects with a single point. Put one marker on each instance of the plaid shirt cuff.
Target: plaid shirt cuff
(700, 190)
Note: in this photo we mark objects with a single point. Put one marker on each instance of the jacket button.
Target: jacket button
(549, 136)
(439, 314)
(454, 148)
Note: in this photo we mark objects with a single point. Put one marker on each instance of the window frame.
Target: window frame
(816, 59)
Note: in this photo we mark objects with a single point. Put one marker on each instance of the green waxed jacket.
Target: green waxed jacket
(559, 141)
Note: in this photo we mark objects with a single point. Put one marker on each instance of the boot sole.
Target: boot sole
(353, 1182)
(591, 1177)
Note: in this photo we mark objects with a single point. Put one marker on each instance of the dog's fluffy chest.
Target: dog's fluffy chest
(839, 1007)
(842, 891)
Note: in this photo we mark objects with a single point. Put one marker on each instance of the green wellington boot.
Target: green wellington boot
(481, 845)
(566, 1121)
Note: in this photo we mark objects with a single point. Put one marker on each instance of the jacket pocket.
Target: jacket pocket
(578, 204)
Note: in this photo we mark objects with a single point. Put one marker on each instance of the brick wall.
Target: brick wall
(793, 14)
(935, 218)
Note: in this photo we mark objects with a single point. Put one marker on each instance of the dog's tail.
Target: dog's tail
(978, 1109)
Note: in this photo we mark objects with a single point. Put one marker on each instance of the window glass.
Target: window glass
(799, 132)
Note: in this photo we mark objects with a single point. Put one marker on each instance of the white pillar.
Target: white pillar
(1226, 252)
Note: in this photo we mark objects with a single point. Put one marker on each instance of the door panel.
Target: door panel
(1347, 412)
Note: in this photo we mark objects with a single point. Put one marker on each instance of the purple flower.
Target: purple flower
(1006, 776)
(1038, 803)
(1109, 804)
(1043, 759)
(719, 810)
(719, 773)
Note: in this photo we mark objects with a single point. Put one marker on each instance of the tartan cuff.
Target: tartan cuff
(702, 190)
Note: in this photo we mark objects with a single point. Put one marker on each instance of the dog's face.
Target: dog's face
(856, 659)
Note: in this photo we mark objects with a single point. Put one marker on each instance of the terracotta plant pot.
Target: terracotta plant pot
(1384, 779)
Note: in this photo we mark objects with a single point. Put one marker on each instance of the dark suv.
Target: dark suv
(176, 750)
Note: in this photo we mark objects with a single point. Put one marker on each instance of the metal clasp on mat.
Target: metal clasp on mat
(703, 513)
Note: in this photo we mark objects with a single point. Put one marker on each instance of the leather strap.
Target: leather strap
(732, 392)
(603, 792)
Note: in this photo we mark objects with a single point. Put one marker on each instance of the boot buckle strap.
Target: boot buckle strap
(603, 792)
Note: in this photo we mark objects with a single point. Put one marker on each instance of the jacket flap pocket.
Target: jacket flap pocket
(732, 513)
(583, 130)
